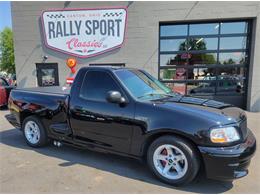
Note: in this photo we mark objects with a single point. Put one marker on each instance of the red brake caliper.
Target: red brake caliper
(164, 152)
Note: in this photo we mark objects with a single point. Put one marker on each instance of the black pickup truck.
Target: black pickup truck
(130, 113)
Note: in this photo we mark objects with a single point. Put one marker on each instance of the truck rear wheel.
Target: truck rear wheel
(34, 132)
(173, 160)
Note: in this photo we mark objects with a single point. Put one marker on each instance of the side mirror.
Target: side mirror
(115, 97)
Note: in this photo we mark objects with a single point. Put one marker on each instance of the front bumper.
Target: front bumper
(229, 163)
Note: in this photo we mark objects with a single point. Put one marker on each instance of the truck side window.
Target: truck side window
(96, 85)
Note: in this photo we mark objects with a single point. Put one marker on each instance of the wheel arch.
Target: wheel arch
(24, 115)
(152, 137)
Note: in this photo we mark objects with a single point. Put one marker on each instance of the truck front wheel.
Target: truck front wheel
(34, 132)
(173, 160)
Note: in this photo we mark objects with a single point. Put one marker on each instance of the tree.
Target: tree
(193, 44)
(229, 61)
(7, 51)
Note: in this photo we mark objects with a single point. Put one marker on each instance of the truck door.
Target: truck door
(97, 121)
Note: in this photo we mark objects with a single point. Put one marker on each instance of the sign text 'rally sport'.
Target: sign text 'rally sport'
(84, 33)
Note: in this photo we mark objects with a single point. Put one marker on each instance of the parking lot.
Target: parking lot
(70, 170)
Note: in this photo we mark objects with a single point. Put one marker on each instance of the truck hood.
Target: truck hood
(220, 112)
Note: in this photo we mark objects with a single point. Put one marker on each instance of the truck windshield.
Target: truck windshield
(142, 85)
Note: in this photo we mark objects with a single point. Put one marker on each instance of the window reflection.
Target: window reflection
(203, 43)
(177, 87)
(231, 80)
(174, 30)
(173, 45)
(203, 59)
(193, 59)
(190, 44)
(230, 86)
(173, 74)
(204, 74)
(233, 42)
(173, 59)
(232, 58)
(233, 27)
(200, 43)
(204, 29)
(48, 76)
(201, 88)
(238, 72)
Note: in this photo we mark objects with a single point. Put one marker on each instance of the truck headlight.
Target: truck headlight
(224, 135)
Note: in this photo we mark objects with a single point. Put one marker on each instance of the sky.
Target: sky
(5, 15)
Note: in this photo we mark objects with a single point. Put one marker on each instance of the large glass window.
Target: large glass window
(205, 58)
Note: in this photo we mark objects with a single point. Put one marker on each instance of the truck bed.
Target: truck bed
(52, 90)
(50, 102)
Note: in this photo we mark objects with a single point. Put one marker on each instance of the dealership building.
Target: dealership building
(202, 49)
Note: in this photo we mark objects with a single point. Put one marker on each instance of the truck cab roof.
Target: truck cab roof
(111, 68)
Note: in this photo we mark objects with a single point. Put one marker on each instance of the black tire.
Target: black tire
(43, 140)
(187, 149)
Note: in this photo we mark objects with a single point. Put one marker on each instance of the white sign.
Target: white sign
(84, 32)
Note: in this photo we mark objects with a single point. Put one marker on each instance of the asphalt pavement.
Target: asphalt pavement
(70, 170)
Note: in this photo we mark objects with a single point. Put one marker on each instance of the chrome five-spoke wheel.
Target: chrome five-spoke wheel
(173, 159)
(32, 132)
(170, 161)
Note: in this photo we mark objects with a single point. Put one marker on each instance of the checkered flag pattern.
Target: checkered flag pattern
(112, 14)
(55, 16)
